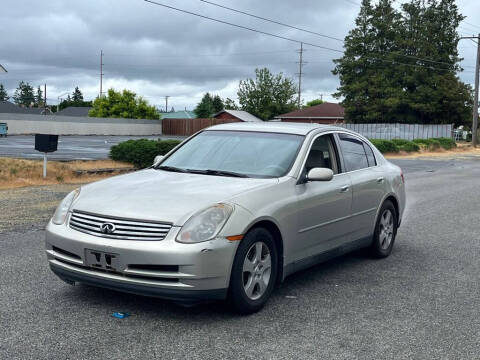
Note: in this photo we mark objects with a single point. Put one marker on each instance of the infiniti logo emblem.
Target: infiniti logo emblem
(107, 228)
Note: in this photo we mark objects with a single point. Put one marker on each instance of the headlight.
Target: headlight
(205, 225)
(62, 209)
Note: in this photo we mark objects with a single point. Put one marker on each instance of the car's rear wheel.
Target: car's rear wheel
(385, 231)
(254, 271)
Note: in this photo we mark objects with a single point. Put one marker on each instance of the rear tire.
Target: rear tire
(254, 272)
(385, 231)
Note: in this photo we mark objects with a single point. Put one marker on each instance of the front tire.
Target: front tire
(385, 231)
(254, 271)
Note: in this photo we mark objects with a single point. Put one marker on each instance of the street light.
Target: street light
(60, 98)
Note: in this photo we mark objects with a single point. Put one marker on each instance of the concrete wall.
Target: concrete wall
(19, 124)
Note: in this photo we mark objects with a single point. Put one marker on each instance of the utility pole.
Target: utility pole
(101, 73)
(475, 98)
(166, 103)
(45, 99)
(300, 74)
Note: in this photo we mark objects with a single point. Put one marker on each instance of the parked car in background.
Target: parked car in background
(3, 129)
(229, 213)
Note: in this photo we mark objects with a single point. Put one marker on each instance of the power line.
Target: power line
(271, 20)
(242, 27)
(289, 39)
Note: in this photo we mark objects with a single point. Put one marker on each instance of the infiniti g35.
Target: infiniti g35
(229, 213)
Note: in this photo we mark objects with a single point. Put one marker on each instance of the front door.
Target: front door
(323, 206)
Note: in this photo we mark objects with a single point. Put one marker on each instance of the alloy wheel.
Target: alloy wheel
(257, 268)
(386, 229)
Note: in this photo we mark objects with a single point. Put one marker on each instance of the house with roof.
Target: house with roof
(7, 107)
(74, 111)
(236, 116)
(326, 113)
(183, 114)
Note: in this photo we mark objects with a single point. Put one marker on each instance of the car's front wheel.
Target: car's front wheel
(254, 271)
(385, 231)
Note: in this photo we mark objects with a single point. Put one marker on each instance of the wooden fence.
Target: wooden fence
(187, 127)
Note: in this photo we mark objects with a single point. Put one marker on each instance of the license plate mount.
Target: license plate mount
(101, 260)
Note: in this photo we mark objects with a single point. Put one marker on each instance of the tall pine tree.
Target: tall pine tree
(24, 95)
(401, 65)
(3, 93)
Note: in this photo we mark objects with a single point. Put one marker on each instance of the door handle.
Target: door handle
(344, 188)
(380, 179)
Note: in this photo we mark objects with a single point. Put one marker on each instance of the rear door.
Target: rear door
(368, 184)
(323, 206)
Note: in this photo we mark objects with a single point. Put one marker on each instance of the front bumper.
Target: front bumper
(165, 269)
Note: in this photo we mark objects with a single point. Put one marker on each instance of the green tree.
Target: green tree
(3, 93)
(217, 104)
(24, 95)
(205, 108)
(125, 104)
(229, 104)
(400, 65)
(77, 96)
(267, 95)
(39, 100)
(314, 102)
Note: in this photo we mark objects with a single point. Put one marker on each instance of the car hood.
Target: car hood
(160, 195)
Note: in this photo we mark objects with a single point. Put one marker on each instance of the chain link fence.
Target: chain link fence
(401, 131)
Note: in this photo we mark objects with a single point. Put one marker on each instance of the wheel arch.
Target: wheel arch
(393, 199)
(274, 229)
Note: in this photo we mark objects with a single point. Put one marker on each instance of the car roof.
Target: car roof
(274, 127)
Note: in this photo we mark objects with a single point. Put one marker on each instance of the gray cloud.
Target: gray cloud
(156, 51)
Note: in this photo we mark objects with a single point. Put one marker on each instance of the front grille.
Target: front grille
(124, 229)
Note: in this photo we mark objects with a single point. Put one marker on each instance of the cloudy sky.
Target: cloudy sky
(157, 51)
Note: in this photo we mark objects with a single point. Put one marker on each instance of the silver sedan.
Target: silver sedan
(229, 213)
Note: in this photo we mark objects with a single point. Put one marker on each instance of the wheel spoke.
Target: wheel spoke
(248, 265)
(250, 286)
(261, 286)
(258, 252)
(266, 262)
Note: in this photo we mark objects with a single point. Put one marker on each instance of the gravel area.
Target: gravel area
(24, 209)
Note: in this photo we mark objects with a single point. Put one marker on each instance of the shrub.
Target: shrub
(446, 143)
(400, 142)
(409, 146)
(142, 152)
(385, 146)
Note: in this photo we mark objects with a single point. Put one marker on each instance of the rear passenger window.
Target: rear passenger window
(370, 156)
(353, 153)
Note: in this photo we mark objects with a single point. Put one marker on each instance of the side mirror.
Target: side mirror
(320, 174)
(157, 160)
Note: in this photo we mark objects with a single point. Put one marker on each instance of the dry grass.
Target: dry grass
(461, 150)
(15, 173)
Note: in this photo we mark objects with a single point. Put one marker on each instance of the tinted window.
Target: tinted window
(322, 155)
(353, 153)
(370, 156)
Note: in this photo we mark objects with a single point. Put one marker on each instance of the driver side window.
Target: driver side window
(322, 155)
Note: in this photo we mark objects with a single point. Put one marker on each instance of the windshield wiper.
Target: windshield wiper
(171, 168)
(217, 172)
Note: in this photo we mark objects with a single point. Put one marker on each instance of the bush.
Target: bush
(142, 152)
(409, 146)
(400, 142)
(446, 143)
(385, 146)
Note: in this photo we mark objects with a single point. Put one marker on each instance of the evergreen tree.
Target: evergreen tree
(39, 97)
(3, 93)
(217, 104)
(77, 96)
(24, 95)
(205, 108)
(400, 65)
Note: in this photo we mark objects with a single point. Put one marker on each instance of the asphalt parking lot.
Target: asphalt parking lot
(71, 147)
(422, 302)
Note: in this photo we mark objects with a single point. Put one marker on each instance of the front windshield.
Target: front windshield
(252, 154)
